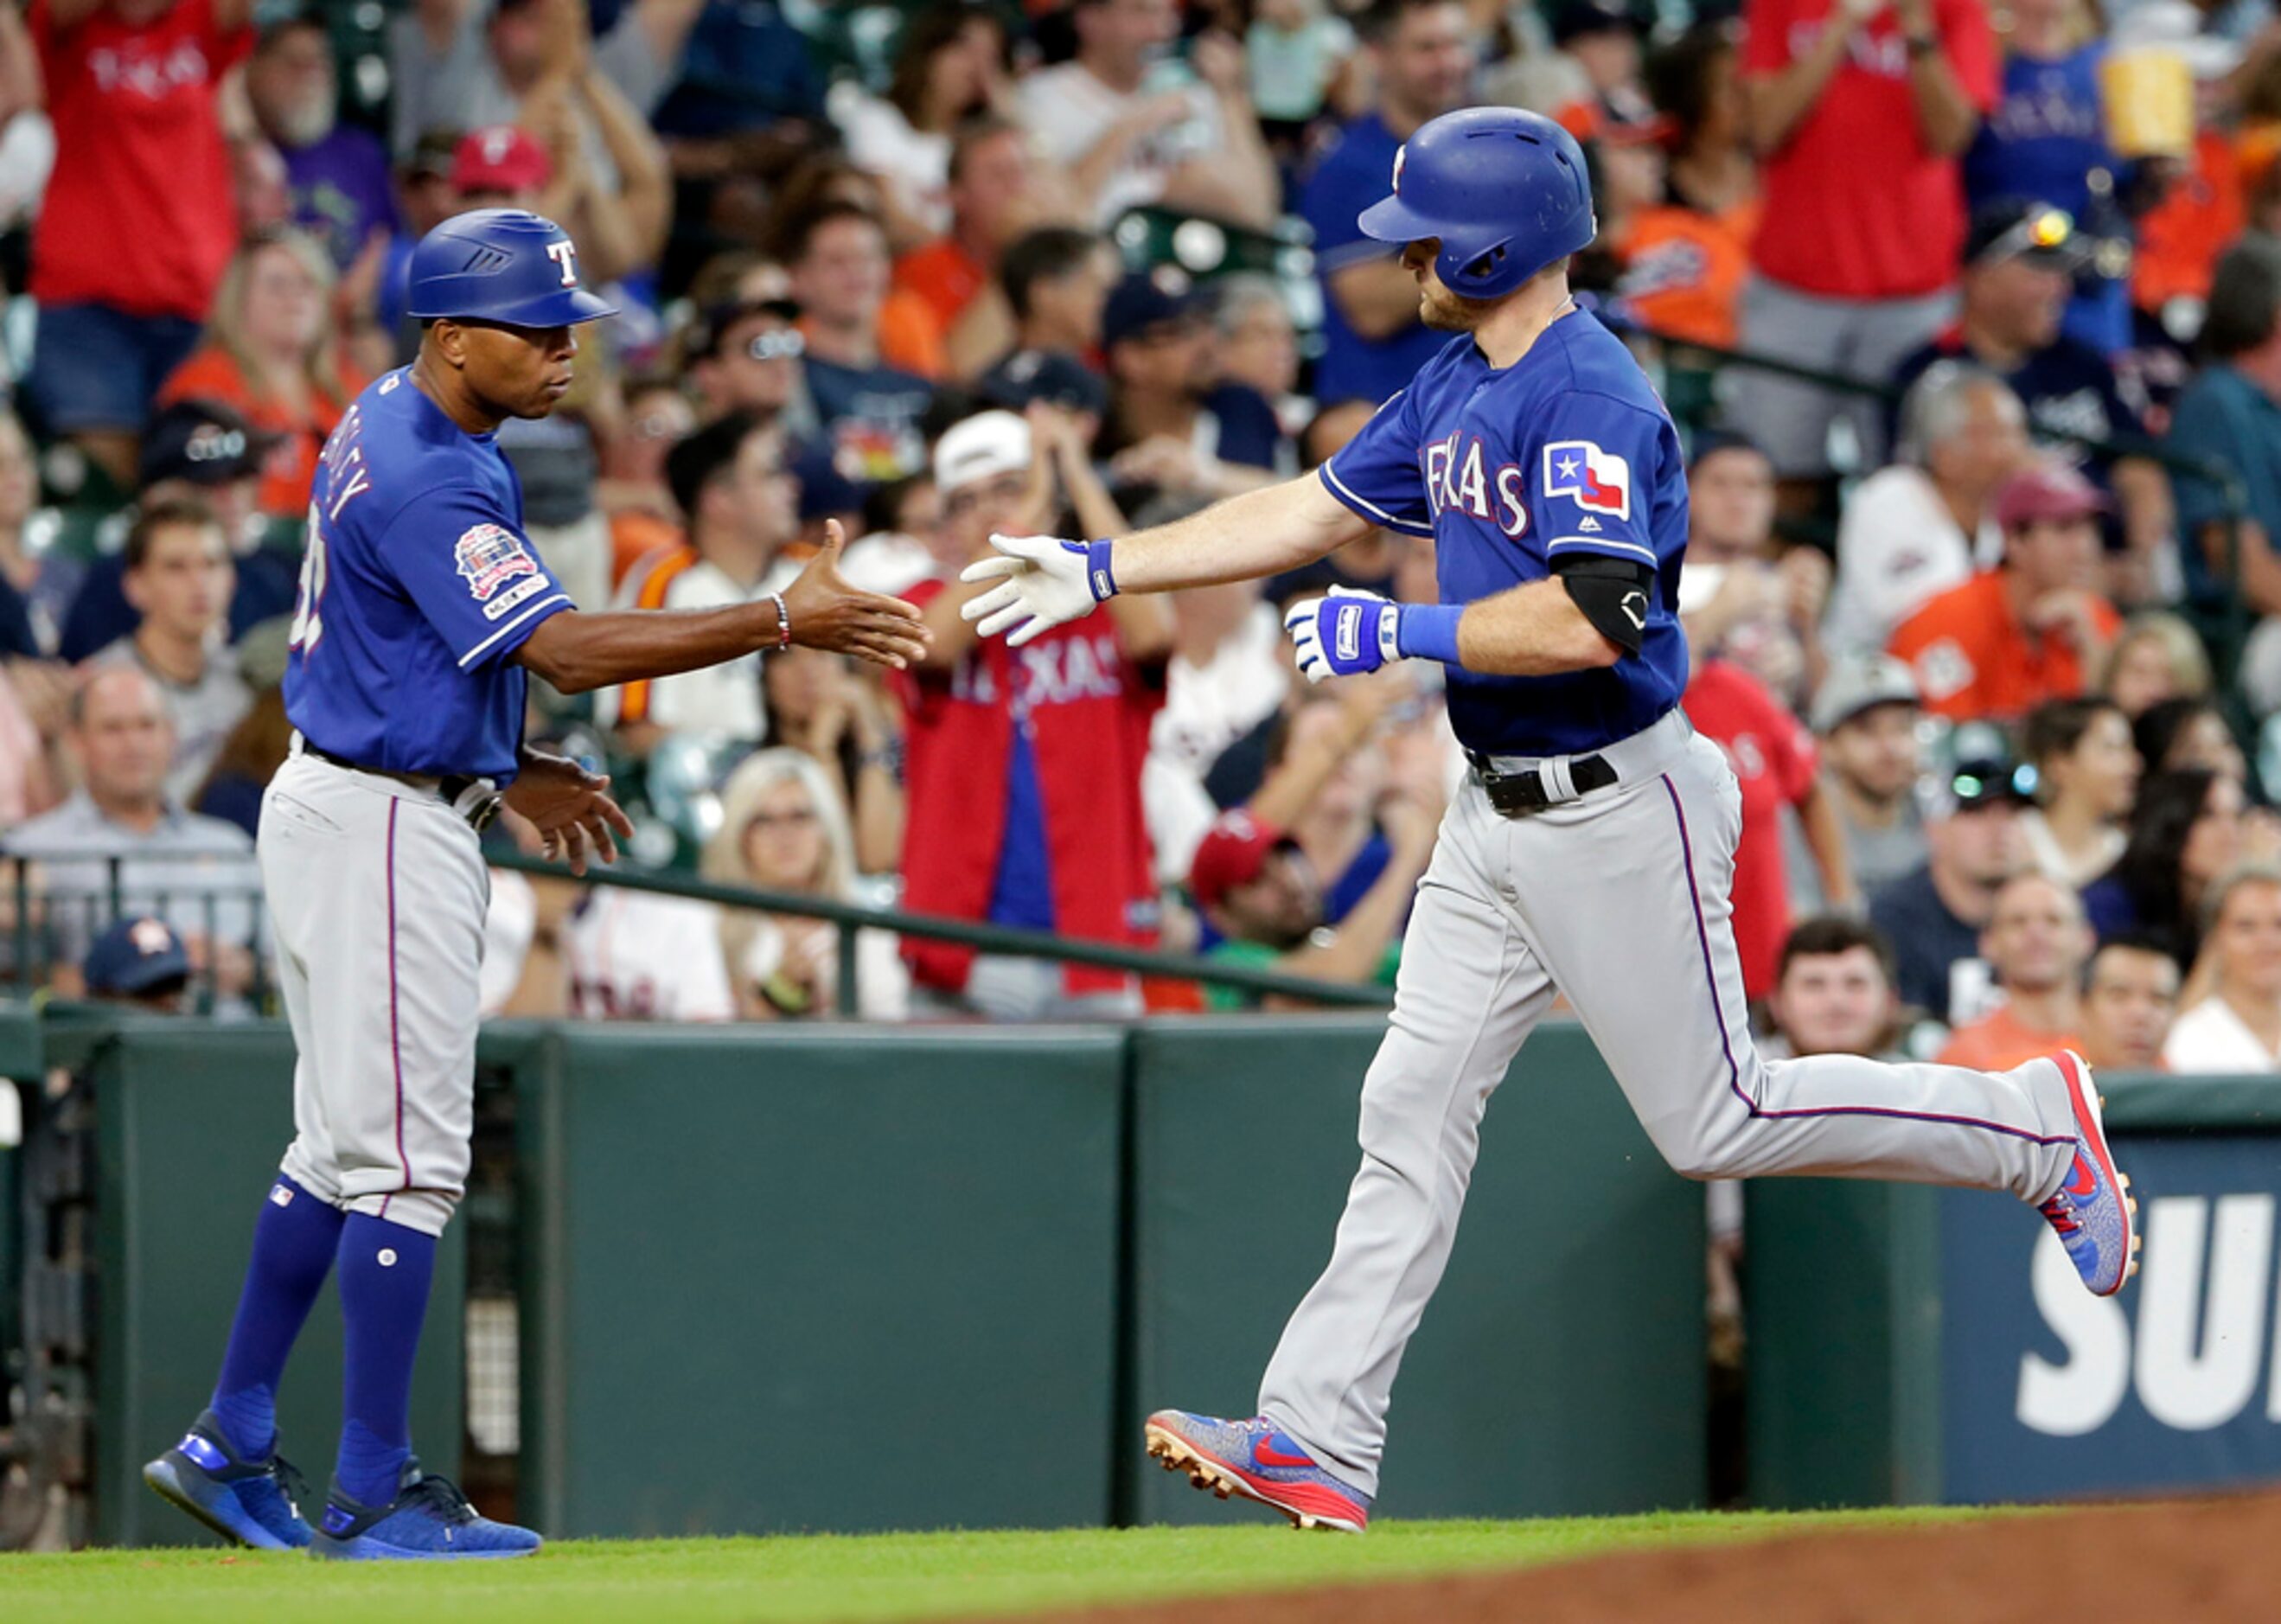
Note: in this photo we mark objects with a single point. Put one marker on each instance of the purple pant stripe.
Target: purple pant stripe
(1734, 1071)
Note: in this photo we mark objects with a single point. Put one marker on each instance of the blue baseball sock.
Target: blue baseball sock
(385, 1271)
(293, 1244)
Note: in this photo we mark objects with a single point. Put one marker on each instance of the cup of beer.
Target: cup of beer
(2147, 92)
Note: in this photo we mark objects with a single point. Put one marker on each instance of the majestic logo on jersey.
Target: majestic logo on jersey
(489, 557)
(1459, 476)
(1597, 480)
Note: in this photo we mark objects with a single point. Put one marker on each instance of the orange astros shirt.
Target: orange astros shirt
(1974, 659)
(1683, 273)
(1996, 1043)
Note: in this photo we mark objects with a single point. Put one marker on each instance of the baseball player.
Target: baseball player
(1591, 847)
(422, 605)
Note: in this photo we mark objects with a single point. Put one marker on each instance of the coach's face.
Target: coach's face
(511, 371)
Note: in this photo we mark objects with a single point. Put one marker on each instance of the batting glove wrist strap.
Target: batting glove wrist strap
(1428, 631)
(1097, 576)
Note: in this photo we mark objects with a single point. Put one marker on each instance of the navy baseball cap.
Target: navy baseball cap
(1568, 20)
(1144, 300)
(1050, 376)
(202, 441)
(137, 957)
(2022, 228)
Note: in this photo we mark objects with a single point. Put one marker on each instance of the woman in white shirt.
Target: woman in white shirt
(2236, 1026)
(2086, 776)
(950, 67)
(785, 828)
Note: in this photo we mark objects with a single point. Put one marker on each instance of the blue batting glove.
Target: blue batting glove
(1345, 634)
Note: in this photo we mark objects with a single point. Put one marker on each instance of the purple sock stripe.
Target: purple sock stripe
(1734, 1073)
(395, 1038)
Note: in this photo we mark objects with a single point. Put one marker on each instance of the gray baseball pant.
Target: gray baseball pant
(1619, 900)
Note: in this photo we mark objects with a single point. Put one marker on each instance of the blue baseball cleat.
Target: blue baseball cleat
(428, 1521)
(250, 1503)
(2092, 1210)
(1253, 1459)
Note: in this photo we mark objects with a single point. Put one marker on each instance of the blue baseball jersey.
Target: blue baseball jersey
(418, 585)
(1565, 452)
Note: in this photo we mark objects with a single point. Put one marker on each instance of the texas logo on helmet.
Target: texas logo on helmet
(1597, 481)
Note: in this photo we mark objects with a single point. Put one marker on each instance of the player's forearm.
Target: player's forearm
(577, 653)
(1259, 533)
(1532, 630)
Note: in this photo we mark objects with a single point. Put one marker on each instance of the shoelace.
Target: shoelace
(444, 1495)
(289, 1479)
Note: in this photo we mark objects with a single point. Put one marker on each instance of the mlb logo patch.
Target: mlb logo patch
(489, 557)
(1596, 480)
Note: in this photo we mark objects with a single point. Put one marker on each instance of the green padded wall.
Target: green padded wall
(193, 1117)
(1560, 1369)
(819, 1279)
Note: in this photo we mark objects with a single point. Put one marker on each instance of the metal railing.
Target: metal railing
(850, 919)
(53, 923)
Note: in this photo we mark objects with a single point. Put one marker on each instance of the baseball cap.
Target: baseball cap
(1233, 852)
(1980, 772)
(1861, 683)
(824, 492)
(202, 441)
(1568, 20)
(136, 957)
(713, 323)
(2048, 489)
(2022, 228)
(432, 153)
(1050, 376)
(500, 157)
(980, 447)
(1711, 442)
(1144, 300)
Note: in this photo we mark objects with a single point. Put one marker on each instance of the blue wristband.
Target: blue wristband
(1096, 571)
(1428, 631)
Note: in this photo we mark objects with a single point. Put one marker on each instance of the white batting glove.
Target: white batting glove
(1043, 582)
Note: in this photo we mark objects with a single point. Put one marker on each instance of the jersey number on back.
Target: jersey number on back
(308, 625)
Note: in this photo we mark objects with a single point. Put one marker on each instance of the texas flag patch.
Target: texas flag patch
(1597, 481)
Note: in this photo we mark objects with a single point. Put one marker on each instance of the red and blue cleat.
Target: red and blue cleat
(2092, 1210)
(1253, 1459)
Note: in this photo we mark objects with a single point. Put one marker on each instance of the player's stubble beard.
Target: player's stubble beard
(1445, 312)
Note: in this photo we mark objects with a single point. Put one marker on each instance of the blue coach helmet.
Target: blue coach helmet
(500, 264)
(1503, 189)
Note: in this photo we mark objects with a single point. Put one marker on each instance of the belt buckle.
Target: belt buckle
(482, 817)
(1514, 794)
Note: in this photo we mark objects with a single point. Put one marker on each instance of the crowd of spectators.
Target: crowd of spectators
(1990, 643)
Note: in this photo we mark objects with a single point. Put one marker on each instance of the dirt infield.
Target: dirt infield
(2209, 1561)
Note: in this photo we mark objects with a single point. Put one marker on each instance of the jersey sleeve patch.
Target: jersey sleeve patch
(1597, 481)
(489, 556)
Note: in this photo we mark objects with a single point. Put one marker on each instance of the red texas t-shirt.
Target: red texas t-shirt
(139, 213)
(1774, 760)
(1856, 207)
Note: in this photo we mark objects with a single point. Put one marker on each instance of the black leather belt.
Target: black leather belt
(451, 788)
(1516, 794)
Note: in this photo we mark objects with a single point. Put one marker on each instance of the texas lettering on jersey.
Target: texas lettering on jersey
(1462, 477)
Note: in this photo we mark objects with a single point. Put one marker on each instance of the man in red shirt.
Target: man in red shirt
(2031, 629)
(1860, 110)
(1024, 764)
(1774, 761)
(138, 221)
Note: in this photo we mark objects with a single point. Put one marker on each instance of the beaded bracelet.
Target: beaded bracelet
(784, 620)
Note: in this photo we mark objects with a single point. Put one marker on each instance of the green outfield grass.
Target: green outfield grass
(885, 1576)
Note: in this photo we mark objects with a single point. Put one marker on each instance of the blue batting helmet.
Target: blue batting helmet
(500, 264)
(1504, 190)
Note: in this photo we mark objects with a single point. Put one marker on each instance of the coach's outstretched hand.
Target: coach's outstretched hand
(1043, 582)
(571, 807)
(828, 613)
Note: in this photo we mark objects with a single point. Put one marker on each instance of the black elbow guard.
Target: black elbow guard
(1615, 595)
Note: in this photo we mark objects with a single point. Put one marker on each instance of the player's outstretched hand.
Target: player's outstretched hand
(571, 806)
(1349, 632)
(828, 613)
(1043, 582)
